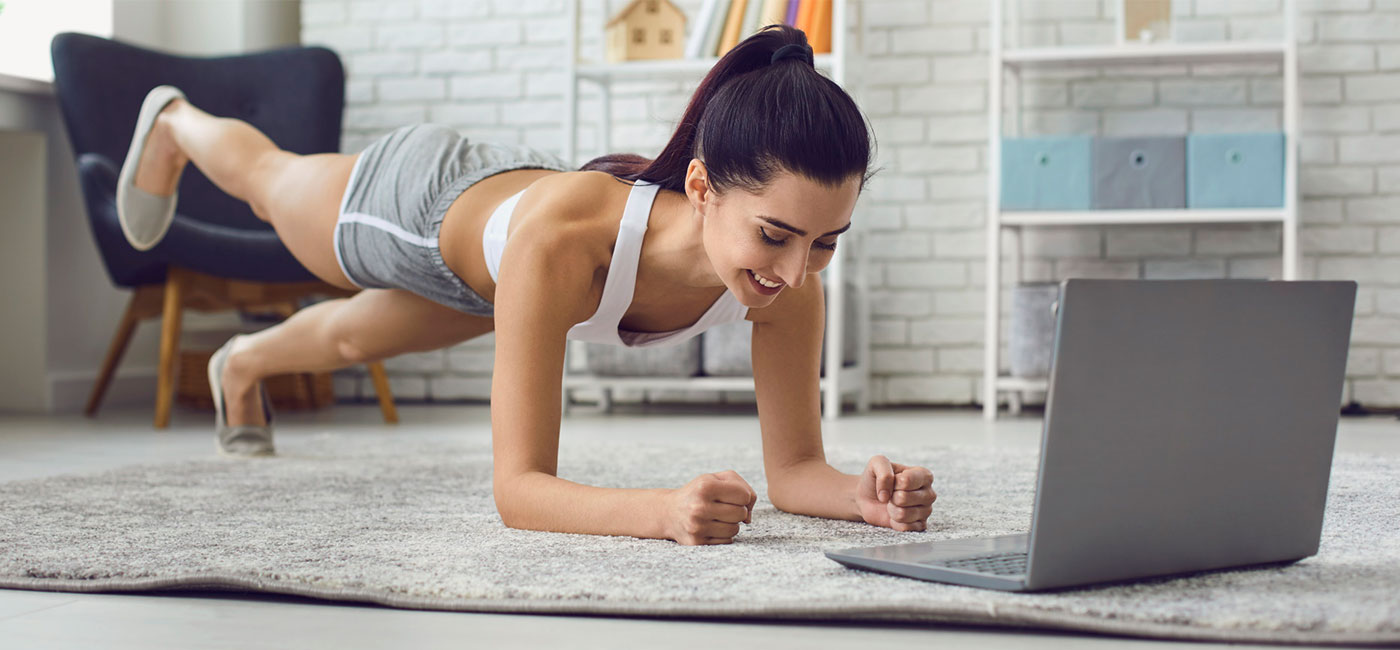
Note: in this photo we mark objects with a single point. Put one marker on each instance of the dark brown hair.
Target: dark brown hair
(750, 119)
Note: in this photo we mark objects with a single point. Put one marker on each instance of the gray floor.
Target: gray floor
(43, 446)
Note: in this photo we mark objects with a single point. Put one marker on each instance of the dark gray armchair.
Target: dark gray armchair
(217, 255)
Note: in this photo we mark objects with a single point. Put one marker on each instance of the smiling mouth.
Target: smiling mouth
(760, 287)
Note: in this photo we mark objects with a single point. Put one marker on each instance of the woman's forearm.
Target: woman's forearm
(539, 501)
(817, 489)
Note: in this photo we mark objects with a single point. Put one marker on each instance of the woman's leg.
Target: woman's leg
(371, 325)
(299, 195)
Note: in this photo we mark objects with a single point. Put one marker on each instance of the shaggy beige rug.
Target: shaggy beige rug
(413, 525)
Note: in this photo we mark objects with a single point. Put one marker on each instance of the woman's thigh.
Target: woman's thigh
(377, 324)
(300, 196)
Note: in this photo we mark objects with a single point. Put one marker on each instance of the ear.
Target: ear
(697, 186)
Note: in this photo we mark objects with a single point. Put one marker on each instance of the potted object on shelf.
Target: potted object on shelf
(646, 29)
(1146, 21)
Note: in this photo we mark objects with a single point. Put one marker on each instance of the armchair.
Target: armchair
(217, 254)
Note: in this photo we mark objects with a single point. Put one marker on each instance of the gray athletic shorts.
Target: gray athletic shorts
(402, 184)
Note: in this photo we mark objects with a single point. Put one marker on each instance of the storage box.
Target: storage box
(726, 350)
(1046, 173)
(1234, 170)
(665, 360)
(1033, 328)
(1139, 173)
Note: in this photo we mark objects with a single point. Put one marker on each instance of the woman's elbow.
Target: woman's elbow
(505, 508)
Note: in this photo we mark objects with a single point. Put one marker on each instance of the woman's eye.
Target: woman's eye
(769, 240)
(825, 247)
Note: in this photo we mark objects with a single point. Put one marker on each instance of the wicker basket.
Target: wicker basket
(297, 391)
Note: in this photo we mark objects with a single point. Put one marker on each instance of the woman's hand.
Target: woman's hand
(709, 508)
(895, 496)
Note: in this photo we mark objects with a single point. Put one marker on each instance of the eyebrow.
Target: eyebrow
(798, 231)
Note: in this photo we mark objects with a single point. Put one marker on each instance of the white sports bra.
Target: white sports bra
(602, 327)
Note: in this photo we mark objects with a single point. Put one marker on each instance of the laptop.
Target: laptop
(1189, 426)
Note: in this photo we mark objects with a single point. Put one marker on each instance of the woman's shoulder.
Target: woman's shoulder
(568, 213)
(574, 197)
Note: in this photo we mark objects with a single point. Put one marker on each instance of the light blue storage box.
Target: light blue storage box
(1140, 173)
(1046, 173)
(1234, 170)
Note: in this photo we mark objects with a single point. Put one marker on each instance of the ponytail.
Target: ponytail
(755, 115)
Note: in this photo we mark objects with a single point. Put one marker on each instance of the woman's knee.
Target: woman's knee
(265, 180)
(352, 350)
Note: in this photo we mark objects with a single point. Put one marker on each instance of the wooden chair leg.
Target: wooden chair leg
(171, 315)
(381, 388)
(130, 319)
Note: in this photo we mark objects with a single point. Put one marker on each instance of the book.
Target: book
(792, 12)
(732, 25)
(804, 18)
(820, 36)
(716, 29)
(752, 13)
(696, 45)
(774, 13)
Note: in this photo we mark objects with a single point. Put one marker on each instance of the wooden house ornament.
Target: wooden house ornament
(646, 29)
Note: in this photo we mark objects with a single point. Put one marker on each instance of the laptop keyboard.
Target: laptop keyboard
(1001, 564)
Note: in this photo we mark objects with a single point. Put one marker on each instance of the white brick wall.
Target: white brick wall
(491, 69)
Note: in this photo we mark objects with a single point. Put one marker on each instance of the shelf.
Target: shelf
(1226, 52)
(852, 379)
(1129, 217)
(837, 66)
(667, 68)
(1007, 64)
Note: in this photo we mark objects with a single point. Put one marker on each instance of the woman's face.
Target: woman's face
(761, 244)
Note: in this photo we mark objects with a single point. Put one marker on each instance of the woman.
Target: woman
(732, 220)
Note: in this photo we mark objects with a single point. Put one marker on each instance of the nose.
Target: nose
(793, 269)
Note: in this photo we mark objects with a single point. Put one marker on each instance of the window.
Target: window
(665, 37)
(27, 26)
(639, 36)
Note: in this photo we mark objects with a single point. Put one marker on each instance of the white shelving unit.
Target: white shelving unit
(848, 379)
(1009, 62)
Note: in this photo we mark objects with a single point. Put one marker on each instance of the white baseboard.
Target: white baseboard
(68, 391)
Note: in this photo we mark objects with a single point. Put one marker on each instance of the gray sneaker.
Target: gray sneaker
(144, 217)
(246, 440)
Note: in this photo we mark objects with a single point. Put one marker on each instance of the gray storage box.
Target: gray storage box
(1033, 328)
(666, 360)
(1139, 173)
(725, 350)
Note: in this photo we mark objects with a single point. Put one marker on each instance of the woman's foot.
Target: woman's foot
(158, 171)
(146, 207)
(242, 400)
(240, 432)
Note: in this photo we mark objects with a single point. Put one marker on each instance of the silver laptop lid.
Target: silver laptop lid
(1192, 424)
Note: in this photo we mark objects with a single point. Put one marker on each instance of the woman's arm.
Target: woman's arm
(546, 284)
(787, 347)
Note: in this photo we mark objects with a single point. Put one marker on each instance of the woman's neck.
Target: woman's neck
(674, 249)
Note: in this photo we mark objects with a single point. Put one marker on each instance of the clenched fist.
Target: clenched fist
(895, 496)
(708, 509)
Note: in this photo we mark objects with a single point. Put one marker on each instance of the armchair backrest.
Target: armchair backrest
(295, 95)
